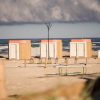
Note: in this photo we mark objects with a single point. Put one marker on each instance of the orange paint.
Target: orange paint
(47, 40)
(19, 41)
(80, 40)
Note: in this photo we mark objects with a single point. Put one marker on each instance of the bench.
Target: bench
(83, 66)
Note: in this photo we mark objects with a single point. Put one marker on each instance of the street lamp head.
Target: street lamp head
(48, 25)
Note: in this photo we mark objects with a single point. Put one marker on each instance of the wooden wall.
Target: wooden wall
(59, 49)
(25, 50)
(89, 49)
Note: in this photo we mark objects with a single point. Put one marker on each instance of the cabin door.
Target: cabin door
(14, 51)
(73, 49)
(80, 50)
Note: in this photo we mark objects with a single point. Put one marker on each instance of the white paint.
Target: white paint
(73, 49)
(80, 50)
(35, 51)
(98, 53)
(86, 49)
(43, 50)
(13, 51)
(52, 50)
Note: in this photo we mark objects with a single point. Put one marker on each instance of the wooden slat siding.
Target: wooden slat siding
(89, 50)
(59, 49)
(25, 50)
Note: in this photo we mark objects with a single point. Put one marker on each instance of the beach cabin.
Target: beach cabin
(80, 48)
(55, 49)
(19, 49)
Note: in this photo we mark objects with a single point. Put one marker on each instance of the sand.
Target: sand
(35, 78)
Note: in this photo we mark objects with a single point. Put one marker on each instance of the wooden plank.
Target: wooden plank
(25, 50)
(89, 50)
(2, 82)
(59, 49)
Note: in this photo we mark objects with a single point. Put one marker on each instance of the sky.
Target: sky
(58, 30)
(49, 10)
(21, 11)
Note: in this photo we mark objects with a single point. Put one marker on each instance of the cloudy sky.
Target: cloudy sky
(49, 10)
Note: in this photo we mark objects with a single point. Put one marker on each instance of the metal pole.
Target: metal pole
(48, 43)
(48, 25)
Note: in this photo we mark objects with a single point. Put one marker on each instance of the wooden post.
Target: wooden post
(66, 61)
(86, 60)
(75, 60)
(46, 60)
(25, 62)
(2, 82)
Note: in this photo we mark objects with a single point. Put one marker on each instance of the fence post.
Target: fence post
(25, 62)
(46, 61)
(2, 82)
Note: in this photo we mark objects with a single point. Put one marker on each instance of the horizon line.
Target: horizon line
(52, 22)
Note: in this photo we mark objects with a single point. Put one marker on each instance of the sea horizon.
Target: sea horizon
(65, 42)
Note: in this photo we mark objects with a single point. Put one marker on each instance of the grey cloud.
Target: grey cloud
(49, 10)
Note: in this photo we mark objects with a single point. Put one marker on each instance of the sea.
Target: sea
(65, 42)
(62, 31)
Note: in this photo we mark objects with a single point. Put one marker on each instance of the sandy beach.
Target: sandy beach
(35, 78)
(49, 50)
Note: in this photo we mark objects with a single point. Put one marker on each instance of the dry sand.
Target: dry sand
(35, 78)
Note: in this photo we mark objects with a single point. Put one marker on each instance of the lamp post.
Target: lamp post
(48, 25)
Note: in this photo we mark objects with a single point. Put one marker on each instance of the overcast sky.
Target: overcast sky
(50, 10)
(63, 30)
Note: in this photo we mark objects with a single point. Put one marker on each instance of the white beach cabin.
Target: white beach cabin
(81, 48)
(19, 49)
(55, 49)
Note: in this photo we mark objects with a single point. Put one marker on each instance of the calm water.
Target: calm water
(35, 43)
